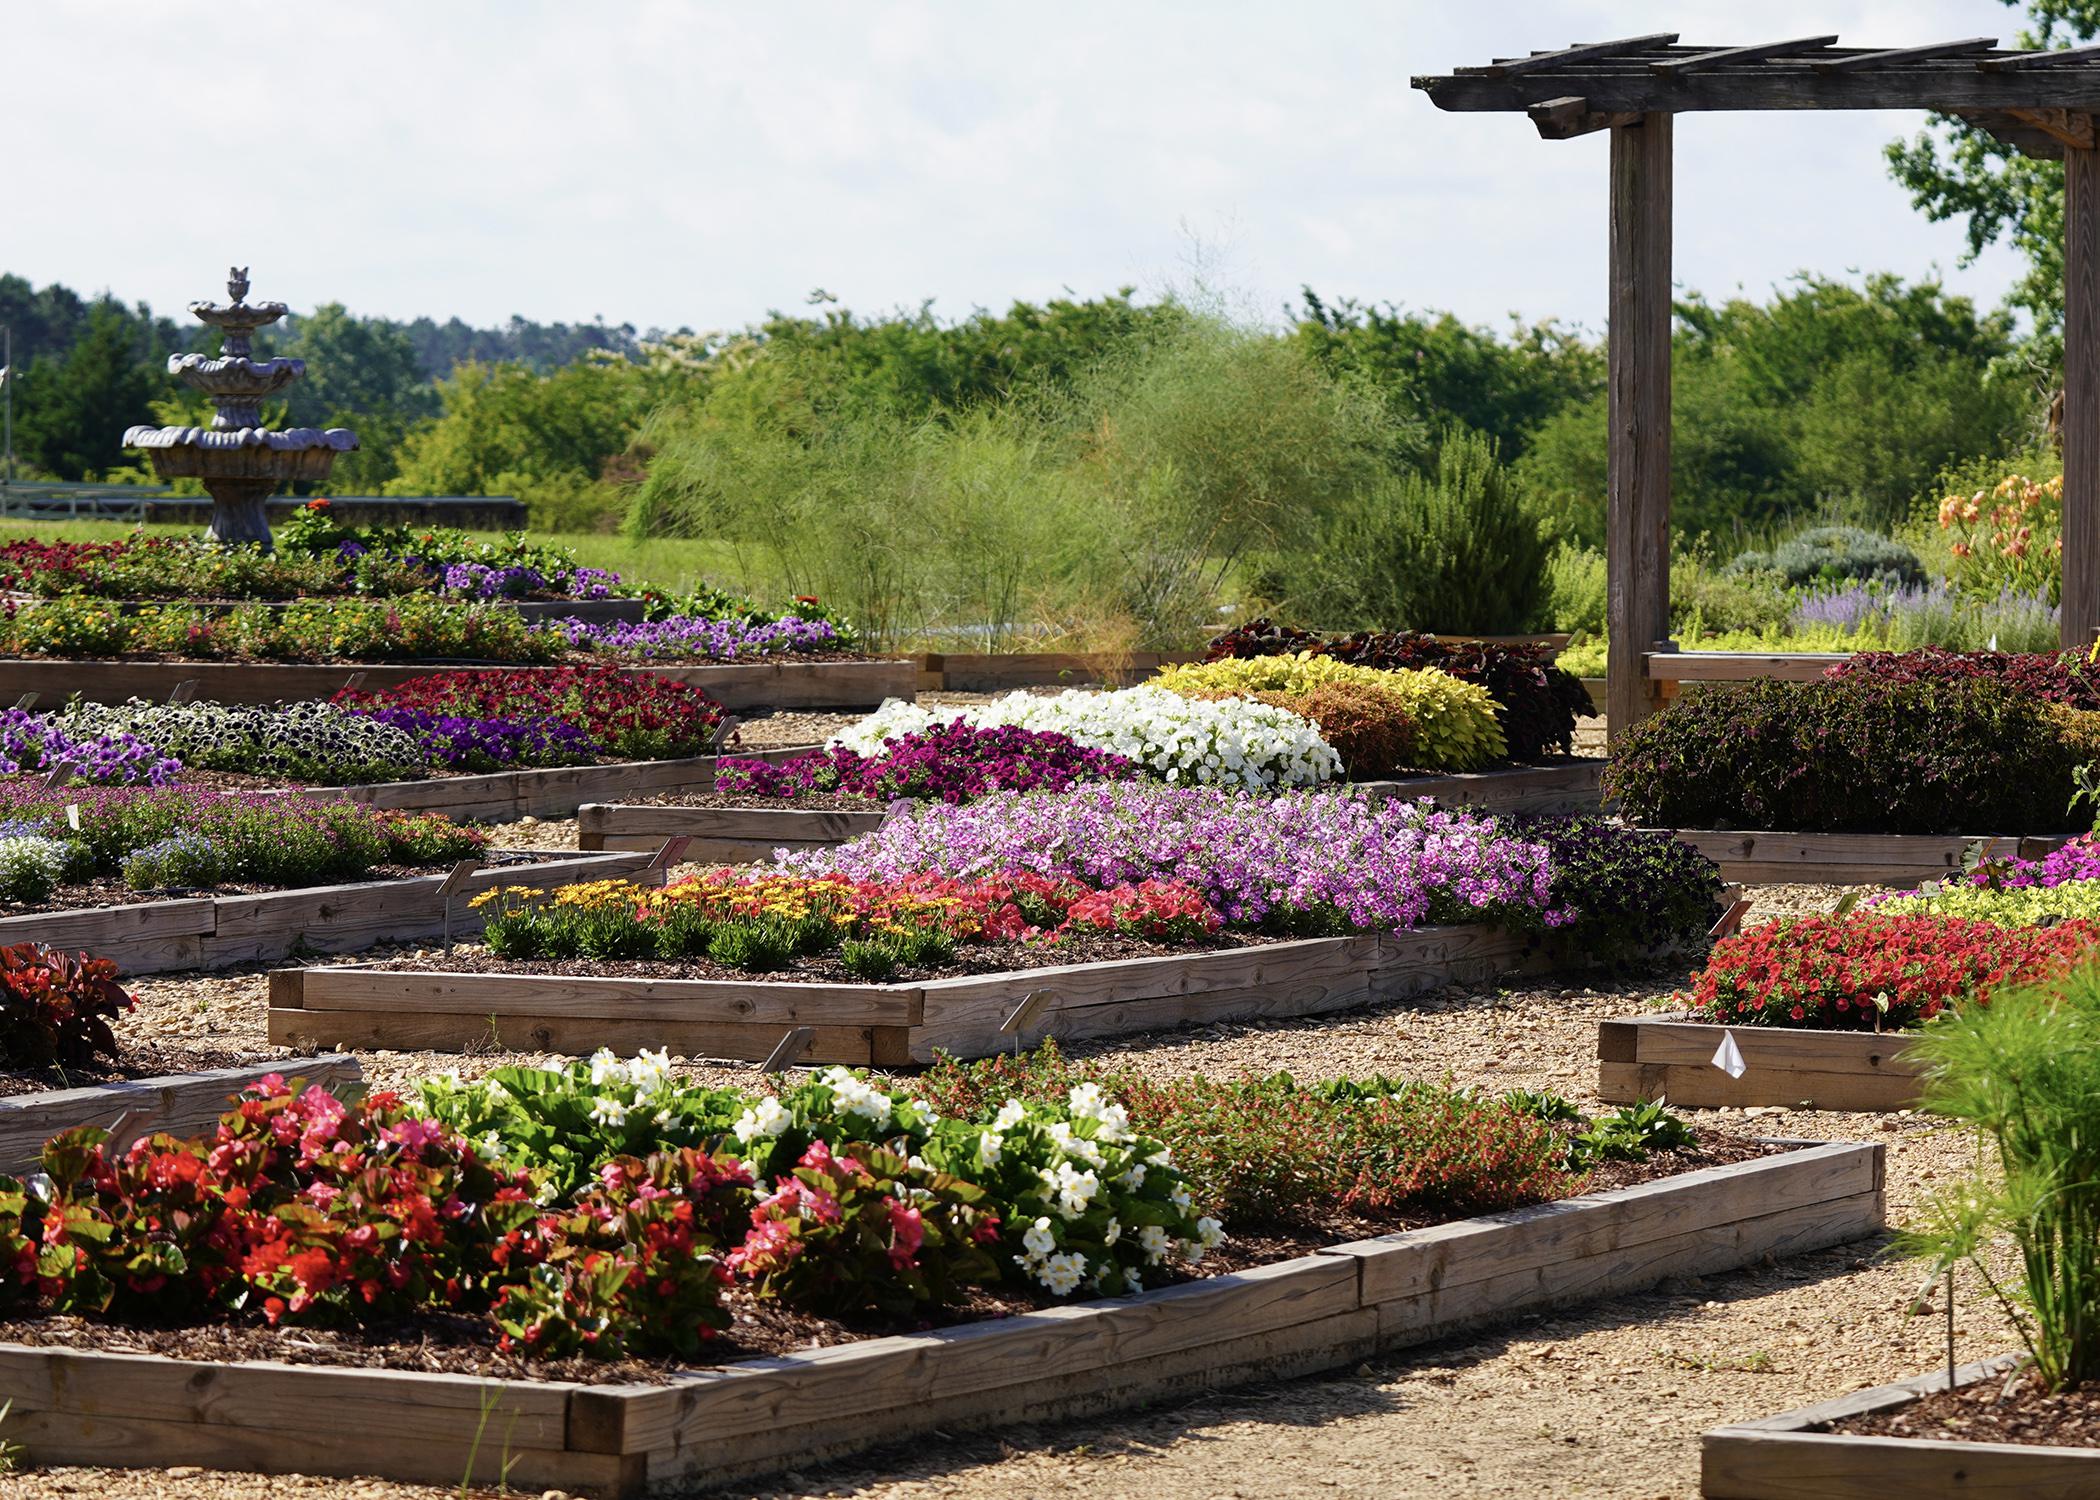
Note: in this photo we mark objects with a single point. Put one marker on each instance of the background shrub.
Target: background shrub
(1848, 755)
(1633, 892)
(1836, 554)
(1452, 549)
(1371, 727)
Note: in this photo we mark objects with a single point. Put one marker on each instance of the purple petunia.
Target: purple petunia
(469, 744)
(35, 742)
(688, 637)
(1375, 866)
(954, 762)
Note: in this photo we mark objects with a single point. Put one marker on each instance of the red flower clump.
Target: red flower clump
(1873, 972)
(56, 1007)
(632, 715)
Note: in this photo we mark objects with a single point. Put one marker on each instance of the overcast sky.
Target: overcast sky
(668, 162)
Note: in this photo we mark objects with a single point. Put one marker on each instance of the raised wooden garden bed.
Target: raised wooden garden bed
(738, 835)
(1796, 1457)
(544, 792)
(786, 682)
(592, 611)
(1672, 1057)
(180, 1103)
(205, 932)
(874, 1024)
(1765, 857)
(1002, 671)
(1321, 1311)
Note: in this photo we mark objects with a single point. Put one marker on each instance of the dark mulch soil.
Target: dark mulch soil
(971, 958)
(1984, 1413)
(139, 1059)
(744, 801)
(111, 891)
(465, 1344)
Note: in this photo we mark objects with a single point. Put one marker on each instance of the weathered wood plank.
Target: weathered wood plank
(2079, 616)
(103, 929)
(1654, 1058)
(1794, 1457)
(1754, 856)
(1569, 785)
(772, 1002)
(1677, 66)
(174, 1102)
(573, 1035)
(1533, 1241)
(1637, 461)
(1950, 86)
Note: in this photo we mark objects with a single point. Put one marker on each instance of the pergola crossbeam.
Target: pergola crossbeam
(2020, 61)
(1582, 52)
(1893, 55)
(1671, 66)
(2066, 128)
(1564, 119)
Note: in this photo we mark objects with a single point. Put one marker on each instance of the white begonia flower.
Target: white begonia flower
(496, 1091)
(1063, 1273)
(1038, 1239)
(990, 1146)
(608, 1111)
(856, 1096)
(917, 1163)
(1133, 1179)
(1075, 1190)
(650, 1069)
(1179, 1198)
(1085, 1100)
(1011, 1113)
(768, 1118)
(1155, 1242)
(1210, 1232)
(1113, 1233)
(606, 1068)
(1112, 1124)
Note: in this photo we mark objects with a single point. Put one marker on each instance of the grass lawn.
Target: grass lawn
(672, 564)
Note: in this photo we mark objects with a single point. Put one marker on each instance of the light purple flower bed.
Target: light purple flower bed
(687, 637)
(1307, 861)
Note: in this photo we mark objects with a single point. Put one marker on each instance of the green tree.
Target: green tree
(1955, 169)
(71, 411)
(1438, 370)
(361, 373)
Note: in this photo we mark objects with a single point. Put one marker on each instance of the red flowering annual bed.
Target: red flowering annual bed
(1869, 972)
(633, 715)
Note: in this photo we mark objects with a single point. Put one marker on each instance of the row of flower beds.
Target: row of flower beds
(1129, 905)
(452, 723)
(174, 877)
(1826, 1007)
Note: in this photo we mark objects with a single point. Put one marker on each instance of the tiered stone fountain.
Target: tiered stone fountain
(240, 461)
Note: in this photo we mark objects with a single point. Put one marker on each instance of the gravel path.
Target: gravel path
(1607, 1401)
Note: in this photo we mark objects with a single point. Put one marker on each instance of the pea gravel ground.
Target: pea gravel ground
(1607, 1401)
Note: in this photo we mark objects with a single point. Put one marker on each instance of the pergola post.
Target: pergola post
(1637, 489)
(2080, 614)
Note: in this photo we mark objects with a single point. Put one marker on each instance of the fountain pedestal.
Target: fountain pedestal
(240, 461)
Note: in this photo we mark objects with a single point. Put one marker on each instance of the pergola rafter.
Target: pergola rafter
(2040, 103)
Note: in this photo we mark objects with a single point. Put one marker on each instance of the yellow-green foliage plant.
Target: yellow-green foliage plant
(1455, 728)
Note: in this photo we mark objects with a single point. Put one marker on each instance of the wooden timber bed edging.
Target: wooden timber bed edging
(1321, 1311)
(771, 682)
(180, 1103)
(206, 932)
(538, 792)
(739, 835)
(1671, 1057)
(880, 1025)
(1753, 856)
(1794, 1456)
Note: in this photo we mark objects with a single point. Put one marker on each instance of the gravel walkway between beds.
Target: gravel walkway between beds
(1607, 1401)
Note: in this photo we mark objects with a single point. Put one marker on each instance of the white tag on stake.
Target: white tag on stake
(1728, 1057)
(73, 816)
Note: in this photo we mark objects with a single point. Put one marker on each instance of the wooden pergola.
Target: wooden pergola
(2041, 103)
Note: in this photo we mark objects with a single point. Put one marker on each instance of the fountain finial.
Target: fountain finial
(237, 283)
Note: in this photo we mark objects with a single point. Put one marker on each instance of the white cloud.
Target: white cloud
(669, 163)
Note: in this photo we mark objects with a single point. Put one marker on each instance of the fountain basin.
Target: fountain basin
(298, 453)
(239, 377)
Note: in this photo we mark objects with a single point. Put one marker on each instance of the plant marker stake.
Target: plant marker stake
(353, 682)
(667, 854)
(729, 726)
(1950, 1326)
(58, 775)
(183, 691)
(1732, 919)
(1728, 1057)
(790, 1046)
(451, 886)
(1024, 1014)
(27, 700)
(73, 816)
